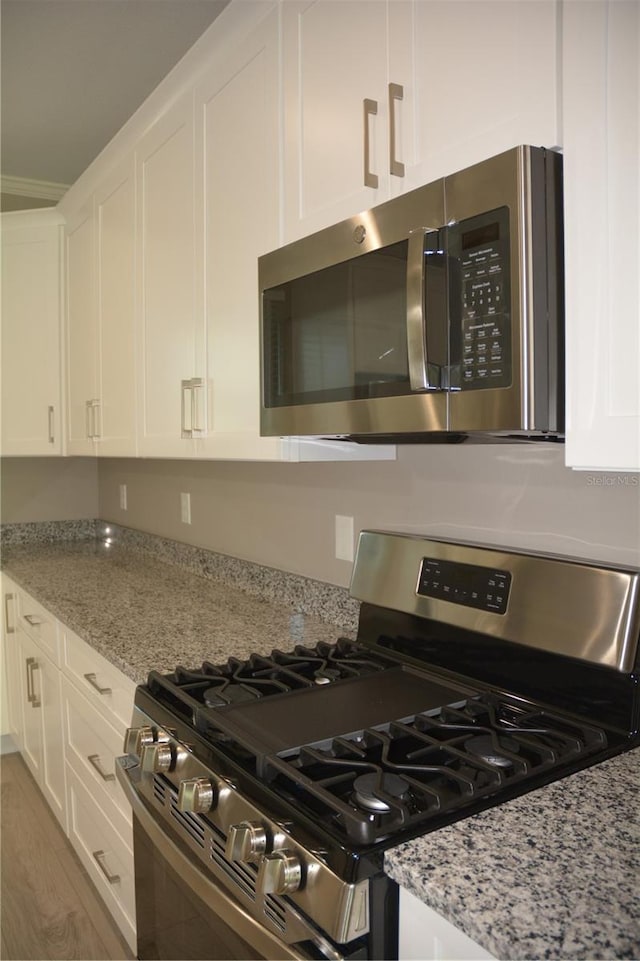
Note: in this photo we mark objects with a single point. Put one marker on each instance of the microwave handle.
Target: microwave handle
(422, 374)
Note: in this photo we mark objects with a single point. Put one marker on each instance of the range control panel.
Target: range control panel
(467, 584)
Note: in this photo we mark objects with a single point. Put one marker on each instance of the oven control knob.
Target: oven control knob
(156, 758)
(280, 873)
(136, 738)
(246, 841)
(196, 795)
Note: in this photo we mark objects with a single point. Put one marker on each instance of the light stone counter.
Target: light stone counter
(143, 613)
(552, 874)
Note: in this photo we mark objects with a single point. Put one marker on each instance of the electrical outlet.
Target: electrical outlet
(185, 508)
(123, 497)
(344, 537)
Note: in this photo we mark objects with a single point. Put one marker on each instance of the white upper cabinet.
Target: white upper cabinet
(485, 78)
(238, 124)
(100, 319)
(601, 111)
(171, 385)
(115, 242)
(382, 96)
(32, 333)
(83, 421)
(334, 69)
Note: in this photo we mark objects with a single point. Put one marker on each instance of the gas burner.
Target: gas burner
(488, 748)
(225, 694)
(368, 787)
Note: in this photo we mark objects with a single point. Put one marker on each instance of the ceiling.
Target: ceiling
(72, 73)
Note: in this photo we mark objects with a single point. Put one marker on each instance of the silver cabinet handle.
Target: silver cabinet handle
(99, 857)
(92, 415)
(32, 697)
(91, 678)
(94, 760)
(370, 110)
(189, 407)
(197, 384)
(32, 619)
(8, 628)
(52, 436)
(396, 92)
(186, 429)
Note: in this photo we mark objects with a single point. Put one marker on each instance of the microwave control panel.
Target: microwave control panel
(480, 290)
(466, 584)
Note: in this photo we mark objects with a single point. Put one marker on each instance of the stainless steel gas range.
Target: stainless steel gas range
(266, 791)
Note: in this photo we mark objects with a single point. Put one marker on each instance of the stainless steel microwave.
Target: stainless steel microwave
(435, 314)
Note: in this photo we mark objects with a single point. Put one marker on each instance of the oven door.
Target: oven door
(184, 913)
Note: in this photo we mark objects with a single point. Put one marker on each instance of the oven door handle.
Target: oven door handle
(250, 930)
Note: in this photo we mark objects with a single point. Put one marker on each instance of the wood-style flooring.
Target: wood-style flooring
(50, 910)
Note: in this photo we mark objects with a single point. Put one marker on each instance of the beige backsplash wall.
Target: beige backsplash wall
(48, 489)
(282, 515)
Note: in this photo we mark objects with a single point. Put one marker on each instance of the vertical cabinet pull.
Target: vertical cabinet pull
(190, 407)
(52, 436)
(93, 418)
(9, 628)
(99, 856)
(32, 697)
(370, 110)
(396, 92)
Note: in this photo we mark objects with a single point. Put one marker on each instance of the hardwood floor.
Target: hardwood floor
(50, 910)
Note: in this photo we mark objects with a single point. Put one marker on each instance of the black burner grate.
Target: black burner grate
(446, 759)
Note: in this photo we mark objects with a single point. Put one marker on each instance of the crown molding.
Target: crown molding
(24, 187)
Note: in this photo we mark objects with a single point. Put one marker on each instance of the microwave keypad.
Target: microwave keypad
(484, 302)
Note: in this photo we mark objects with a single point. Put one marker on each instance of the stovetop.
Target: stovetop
(367, 749)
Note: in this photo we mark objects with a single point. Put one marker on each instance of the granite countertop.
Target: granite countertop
(553, 874)
(146, 614)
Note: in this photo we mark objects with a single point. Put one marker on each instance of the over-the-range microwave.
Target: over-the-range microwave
(435, 315)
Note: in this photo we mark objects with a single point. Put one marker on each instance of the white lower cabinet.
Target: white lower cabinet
(33, 685)
(106, 856)
(68, 709)
(426, 936)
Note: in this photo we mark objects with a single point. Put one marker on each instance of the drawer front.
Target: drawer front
(105, 856)
(91, 746)
(39, 625)
(103, 685)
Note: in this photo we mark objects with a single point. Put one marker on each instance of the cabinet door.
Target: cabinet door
(171, 334)
(335, 58)
(30, 696)
(486, 79)
(82, 335)
(115, 233)
(49, 691)
(31, 334)
(238, 106)
(12, 690)
(601, 111)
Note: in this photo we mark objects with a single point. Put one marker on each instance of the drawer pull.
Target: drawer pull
(94, 759)
(33, 620)
(32, 697)
(91, 678)
(99, 858)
